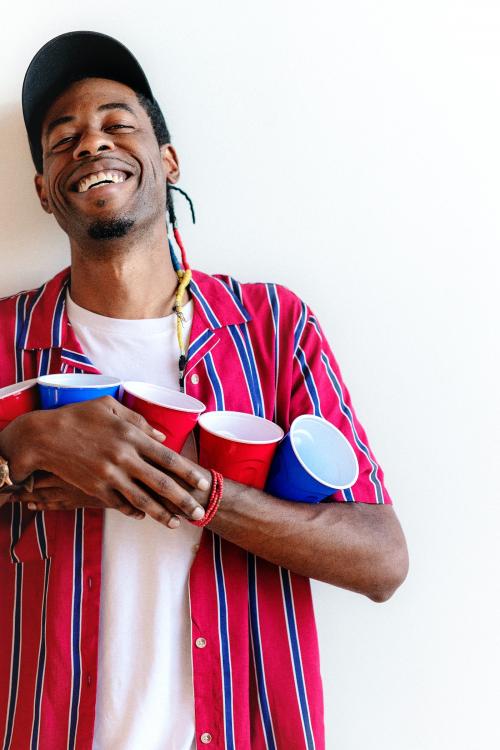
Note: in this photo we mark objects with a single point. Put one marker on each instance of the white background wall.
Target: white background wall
(350, 151)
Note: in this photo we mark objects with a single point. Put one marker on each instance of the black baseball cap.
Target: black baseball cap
(68, 58)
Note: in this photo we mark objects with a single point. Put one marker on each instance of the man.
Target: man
(159, 634)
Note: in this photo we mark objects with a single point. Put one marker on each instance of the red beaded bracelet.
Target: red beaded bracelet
(214, 500)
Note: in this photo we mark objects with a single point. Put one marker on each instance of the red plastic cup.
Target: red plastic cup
(240, 446)
(17, 399)
(171, 412)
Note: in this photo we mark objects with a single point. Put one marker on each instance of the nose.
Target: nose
(92, 142)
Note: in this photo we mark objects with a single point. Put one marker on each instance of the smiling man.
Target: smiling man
(193, 625)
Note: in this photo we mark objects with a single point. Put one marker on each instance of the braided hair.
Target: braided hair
(162, 134)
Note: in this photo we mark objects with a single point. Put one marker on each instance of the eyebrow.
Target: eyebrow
(102, 108)
(116, 105)
(58, 121)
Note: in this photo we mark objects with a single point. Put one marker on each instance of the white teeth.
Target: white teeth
(93, 179)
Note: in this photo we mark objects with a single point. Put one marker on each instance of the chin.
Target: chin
(110, 229)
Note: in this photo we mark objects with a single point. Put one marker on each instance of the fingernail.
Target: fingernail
(173, 523)
(203, 484)
(32, 506)
(139, 516)
(197, 514)
(159, 435)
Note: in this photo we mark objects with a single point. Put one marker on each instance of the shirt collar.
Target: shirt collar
(46, 322)
(216, 302)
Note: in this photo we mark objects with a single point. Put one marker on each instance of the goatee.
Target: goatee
(110, 229)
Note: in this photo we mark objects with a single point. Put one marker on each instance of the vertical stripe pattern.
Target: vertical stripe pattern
(20, 317)
(255, 348)
(215, 382)
(40, 674)
(76, 672)
(265, 711)
(296, 657)
(359, 443)
(15, 656)
(275, 312)
(225, 648)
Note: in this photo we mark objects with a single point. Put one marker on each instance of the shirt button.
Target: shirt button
(206, 738)
(195, 379)
(201, 642)
(89, 582)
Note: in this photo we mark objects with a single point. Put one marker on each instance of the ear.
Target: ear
(170, 163)
(41, 192)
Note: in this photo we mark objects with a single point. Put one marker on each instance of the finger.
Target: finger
(168, 488)
(45, 497)
(29, 497)
(137, 420)
(45, 501)
(114, 500)
(126, 509)
(52, 495)
(55, 499)
(49, 480)
(49, 506)
(137, 497)
(173, 509)
(41, 506)
(121, 504)
(193, 474)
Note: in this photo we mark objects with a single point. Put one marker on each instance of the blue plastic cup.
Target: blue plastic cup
(58, 390)
(313, 461)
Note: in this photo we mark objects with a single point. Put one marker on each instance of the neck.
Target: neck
(125, 278)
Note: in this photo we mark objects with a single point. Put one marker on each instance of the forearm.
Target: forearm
(355, 546)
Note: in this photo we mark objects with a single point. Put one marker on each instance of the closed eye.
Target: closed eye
(69, 138)
(63, 141)
(118, 125)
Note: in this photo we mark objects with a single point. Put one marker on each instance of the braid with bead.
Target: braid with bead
(183, 274)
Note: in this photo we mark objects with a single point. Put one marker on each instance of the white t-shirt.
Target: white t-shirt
(145, 684)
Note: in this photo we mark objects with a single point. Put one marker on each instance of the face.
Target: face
(101, 160)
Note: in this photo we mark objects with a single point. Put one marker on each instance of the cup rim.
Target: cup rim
(128, 386)
(56, 380)
(244, 415)
(22, 385)
(315, 418)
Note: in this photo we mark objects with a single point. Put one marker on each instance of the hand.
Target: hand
(107, 452)
(52, 493)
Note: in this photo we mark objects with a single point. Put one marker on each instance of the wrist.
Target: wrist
(214, 499)
(202, 497)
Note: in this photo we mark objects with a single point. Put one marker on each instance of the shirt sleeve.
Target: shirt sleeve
(318, 388)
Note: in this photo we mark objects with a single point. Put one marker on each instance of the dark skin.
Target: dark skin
(120, 462)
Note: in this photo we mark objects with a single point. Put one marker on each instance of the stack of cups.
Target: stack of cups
(312, 462)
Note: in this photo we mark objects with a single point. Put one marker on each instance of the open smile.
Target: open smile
(99, 179)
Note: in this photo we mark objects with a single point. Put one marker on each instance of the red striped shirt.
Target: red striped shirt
(255, 348)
